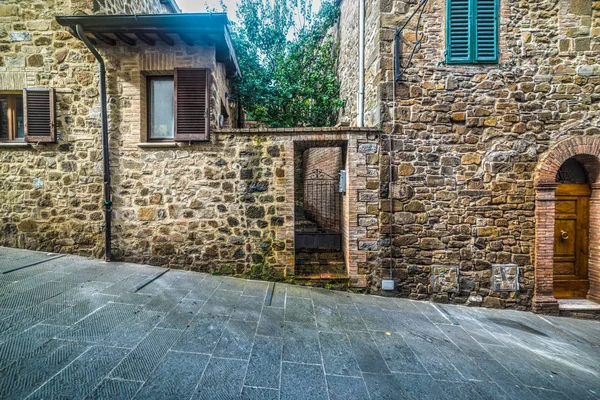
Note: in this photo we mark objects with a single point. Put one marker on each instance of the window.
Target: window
(161, 116)
(179, 106)
(472, 31)
(12, 123)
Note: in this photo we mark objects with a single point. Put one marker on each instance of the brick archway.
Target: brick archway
(586, 150)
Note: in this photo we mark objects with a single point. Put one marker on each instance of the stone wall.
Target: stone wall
(346, 34)
(467, 140)
(226, 205)
(126, 6)
(51, 194)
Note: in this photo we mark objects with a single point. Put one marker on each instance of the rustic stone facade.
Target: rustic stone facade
(228, 205)
(225, 205)
(467, 140)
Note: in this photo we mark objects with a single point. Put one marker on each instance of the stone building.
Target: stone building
(473, 178)
(187, 190)
(493, 110)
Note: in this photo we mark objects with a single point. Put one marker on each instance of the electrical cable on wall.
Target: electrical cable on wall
(399, 68)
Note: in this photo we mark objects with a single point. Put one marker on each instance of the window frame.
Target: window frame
(149, 94)
(472, 35)
(12, 116)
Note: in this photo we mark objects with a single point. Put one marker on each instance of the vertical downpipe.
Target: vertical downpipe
(396, 50)
(105, 153)
(361, 63)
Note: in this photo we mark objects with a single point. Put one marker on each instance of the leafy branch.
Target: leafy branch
(288, 62)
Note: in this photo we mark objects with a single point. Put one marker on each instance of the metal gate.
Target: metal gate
(322, 206)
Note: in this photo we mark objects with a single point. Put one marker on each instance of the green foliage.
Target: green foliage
(288, 62)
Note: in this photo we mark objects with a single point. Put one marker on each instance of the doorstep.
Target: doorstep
(579, 308)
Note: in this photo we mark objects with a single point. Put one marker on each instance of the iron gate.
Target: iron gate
(322, 207)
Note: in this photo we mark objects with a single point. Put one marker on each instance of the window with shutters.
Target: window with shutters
(179, 106)
(12, 124)
(472, 31)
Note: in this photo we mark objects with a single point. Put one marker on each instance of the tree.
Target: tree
(288, 62)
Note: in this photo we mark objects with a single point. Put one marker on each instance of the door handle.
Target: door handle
(564, 235)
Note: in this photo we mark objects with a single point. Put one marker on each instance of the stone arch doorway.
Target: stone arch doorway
(553, 217)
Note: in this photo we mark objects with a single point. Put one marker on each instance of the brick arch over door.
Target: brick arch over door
(586, 150)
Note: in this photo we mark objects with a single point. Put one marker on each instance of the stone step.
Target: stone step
(579, 308)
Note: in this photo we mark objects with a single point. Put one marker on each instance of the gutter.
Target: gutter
(105, 154)
(361, 63)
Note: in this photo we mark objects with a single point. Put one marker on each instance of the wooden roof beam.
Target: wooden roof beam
(145, 38)
(163, 36)
(104, 38)
(124, 38)
(186, 39)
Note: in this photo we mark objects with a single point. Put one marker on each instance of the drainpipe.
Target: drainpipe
(361, 63)
(105, 155)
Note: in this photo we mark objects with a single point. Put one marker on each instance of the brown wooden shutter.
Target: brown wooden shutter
(192, 104)
(39, 115)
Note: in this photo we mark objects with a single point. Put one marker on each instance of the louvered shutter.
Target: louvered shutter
(39, 115)
(192, 104)
(486, 31)
(458, 30)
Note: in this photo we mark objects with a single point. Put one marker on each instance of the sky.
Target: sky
(200, 6)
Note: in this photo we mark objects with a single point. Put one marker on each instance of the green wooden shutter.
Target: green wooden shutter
(458, 30)
(472, 31)
(486, 31)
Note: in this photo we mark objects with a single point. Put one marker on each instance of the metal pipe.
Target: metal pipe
(105, 153)
(391, 167)
(361, 63)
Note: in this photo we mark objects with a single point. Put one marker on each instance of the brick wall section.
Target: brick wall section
(594, 252)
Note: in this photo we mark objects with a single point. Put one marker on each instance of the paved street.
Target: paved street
(73, 328)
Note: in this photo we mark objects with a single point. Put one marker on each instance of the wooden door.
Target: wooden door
(571, 241)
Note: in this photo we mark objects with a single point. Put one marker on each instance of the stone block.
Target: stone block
(367, 148)
(444, 279)
(432, 244)
(582, 44)
(505, 277)
(564, 44)
(580, 7)
(146, 213)
(17, 61)
(19, 36)
(368, 245)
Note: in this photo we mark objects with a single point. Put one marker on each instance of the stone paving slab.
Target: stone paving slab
(74, 328)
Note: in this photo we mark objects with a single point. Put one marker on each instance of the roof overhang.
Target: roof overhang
(113, 30)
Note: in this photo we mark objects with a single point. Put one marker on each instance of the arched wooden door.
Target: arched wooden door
(571, 232)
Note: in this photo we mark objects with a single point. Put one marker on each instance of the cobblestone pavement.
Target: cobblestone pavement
(73, 327)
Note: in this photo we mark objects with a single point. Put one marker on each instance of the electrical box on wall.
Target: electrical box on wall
(342, 185)
(387, 284)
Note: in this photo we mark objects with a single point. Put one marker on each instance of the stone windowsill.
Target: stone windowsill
(14, 145)
(157, 145)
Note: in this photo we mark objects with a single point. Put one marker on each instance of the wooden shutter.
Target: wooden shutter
(192, 104)
(38, 113)
(486, 30)
(458, 31)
